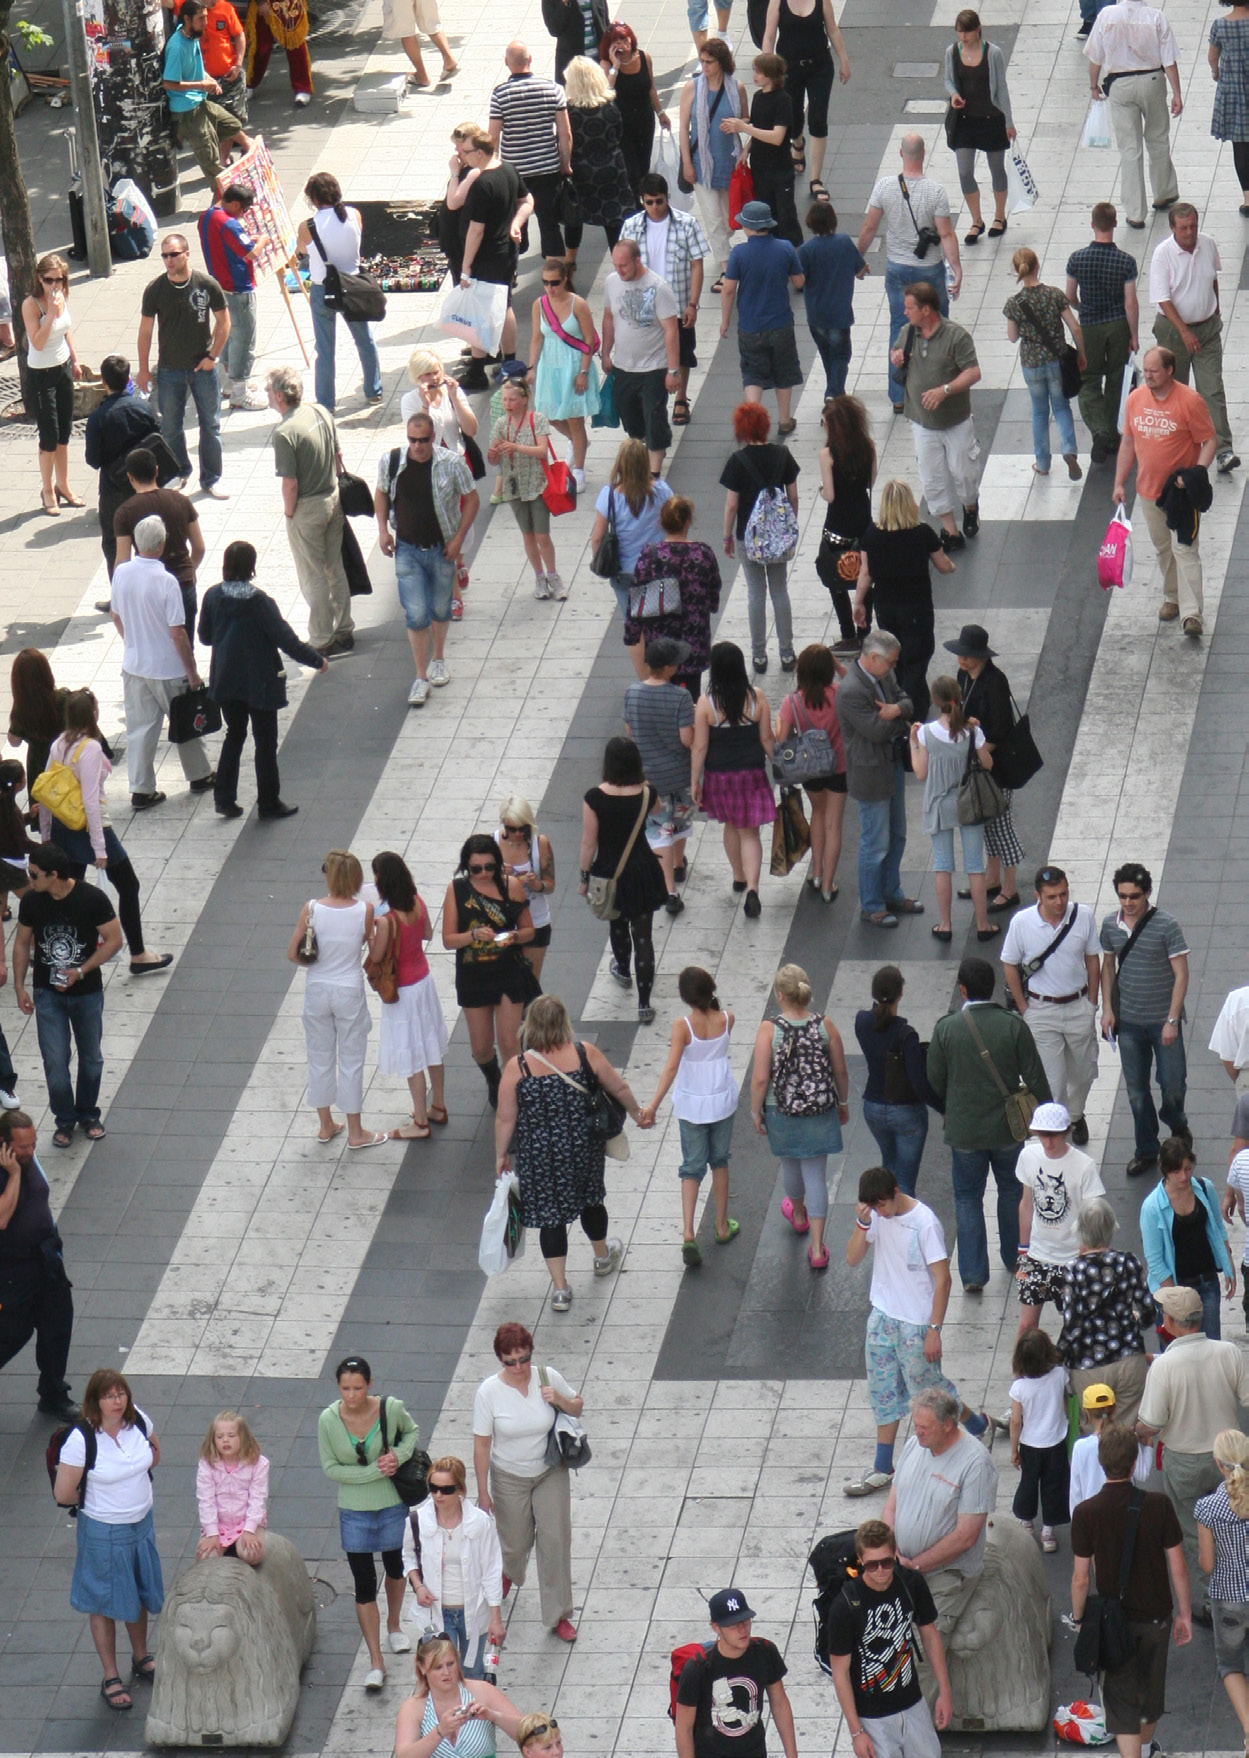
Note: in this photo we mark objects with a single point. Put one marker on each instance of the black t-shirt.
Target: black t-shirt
(898, 562)
(880, 1636)
(767, 109)
(183, 317)
(65, 932)
(493, 201)
(770, 467)
(416, 518)
(727, 1696)
(31, 1222)
(1193, 1256)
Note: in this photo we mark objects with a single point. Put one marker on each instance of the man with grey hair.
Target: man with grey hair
(874, 713)
(308, 460)
(1184, 285)
(157, 663)
(943, 1491)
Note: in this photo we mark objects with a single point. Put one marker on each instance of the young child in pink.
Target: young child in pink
(232, 1487)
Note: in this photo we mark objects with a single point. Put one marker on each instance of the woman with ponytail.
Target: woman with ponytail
(939, 759)
(897, 1095)
(1222, 1546)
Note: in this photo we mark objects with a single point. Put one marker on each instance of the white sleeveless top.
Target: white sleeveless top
(539, 901)
(340, 946)
(55, 351)
(704, 1090)
(341, 239)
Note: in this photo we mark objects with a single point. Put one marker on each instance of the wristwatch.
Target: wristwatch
(1172, 1022)
(934, 1327)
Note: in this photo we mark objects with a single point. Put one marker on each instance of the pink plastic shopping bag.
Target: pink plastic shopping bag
(1114, 558)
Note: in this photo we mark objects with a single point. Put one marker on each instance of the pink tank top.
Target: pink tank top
(412, 962)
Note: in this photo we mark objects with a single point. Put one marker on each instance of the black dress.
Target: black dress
(486, 974)
(558, 1162)
(847, 516)
(899, 563)
(640, 887)
(598, 168)
(637, 118)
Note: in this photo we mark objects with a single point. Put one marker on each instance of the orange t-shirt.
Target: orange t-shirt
(1168, 433)
(216, 45)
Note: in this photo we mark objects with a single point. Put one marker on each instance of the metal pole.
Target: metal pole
(95, 215)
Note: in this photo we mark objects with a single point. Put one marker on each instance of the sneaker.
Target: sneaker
(646, 1015)
(473, 378)
(1079, 1132)
(457, 609)
(438, 673)
(760, 663)
(9, 1100)
(218, 490)
(681, 873)
(868, 1484)
(606, 1266)
(561, 1299)
(1141, 1164)
(418, 695)
(1049, 1544)
(205, 783)
(555, 586)
(578, 477)
(302, 98)
(789, 662)
(242, 396)
(848, 646)
(145, 802)
(1228, 461)
(541, 586)
(621, 976)
(1085, 29)
(674, 906)
(1192, 626)
(375, 1678)
(1025, 1524)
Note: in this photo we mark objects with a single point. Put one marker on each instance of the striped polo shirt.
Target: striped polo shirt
(1146, 980)
(526, 106)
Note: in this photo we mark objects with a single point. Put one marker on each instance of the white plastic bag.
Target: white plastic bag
(474, 313)
(493, 1256)
(666, 159)
(1096, 130)
(1021, 189)
(1129, 385)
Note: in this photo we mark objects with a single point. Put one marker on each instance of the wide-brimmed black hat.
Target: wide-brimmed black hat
(972, 643)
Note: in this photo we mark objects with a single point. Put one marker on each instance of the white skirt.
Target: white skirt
(414, 1033)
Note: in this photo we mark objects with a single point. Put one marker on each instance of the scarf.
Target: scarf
(702, 124)
(239, 588)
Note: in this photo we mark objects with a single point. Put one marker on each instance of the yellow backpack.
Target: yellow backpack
(59, 789)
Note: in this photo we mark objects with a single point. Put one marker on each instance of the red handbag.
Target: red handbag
(741, 190)
(560, 493)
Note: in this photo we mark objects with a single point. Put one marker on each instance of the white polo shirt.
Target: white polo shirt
(1064, 972)
(1186, 278)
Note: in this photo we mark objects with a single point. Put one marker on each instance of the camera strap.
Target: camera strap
(906, 196)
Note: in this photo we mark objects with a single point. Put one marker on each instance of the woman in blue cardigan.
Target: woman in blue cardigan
(1183, 1235)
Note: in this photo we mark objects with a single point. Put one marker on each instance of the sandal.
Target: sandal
(787, 1209)
(734, 1228)
(435, 1113)
(1001, 903)
(63, 1138)
(96, 1132)
(818, 191)
(370, 1141)
(798, 153)
(144, 1668)
(973, 237)
(115, 1694)
(681, 412)
(818, 1263)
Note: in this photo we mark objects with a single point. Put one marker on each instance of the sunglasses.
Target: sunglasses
(423, 439)
(170, 255)
(361, 1455)
(443, 1489)
(481, 866)
(885, 1563)
(1128, 896)
(55, 280)
(653, 201)
(557, 282)
(517, 1360)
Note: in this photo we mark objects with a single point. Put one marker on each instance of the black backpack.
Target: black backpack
(835, 1564)
(52, 1457)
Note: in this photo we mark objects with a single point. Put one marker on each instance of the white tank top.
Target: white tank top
(55, 351)
(340, 946)
(341, 239)
(539, 902)
(704, 1090)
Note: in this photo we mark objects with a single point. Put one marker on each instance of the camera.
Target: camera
(925, 238)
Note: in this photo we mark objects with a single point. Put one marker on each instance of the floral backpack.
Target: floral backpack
(771, 533)
(802, 1078)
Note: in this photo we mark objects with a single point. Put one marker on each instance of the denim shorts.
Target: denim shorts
(426, 578)
(705, 1144)
(973, 849)
(769, 358)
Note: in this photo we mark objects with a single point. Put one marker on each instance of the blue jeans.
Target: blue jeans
(241, 346)
(323, 333)
(970, 1168)
(454, 1625)
(834, 347)
(172, 388)
(882, 842)
(426, 578)
(900, 1132)
(1137, 1043)
(898, 277)
(56, 1016)
(1045, 387)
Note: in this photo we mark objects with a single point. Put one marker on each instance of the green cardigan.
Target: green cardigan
(363, 1487)
(975, 1112)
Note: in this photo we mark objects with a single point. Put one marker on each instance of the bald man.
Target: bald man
(919, 240)
(530, 128)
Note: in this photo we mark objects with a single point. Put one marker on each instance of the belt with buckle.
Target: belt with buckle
(1057, 999)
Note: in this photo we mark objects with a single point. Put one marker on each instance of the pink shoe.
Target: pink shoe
(787, 1209)
(566, 1631)
(818, 1263)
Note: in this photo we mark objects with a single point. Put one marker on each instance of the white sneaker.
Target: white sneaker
(556, 587)
(398, 1642)
(438, 673)
(9, 1101)
(867, 1484)
(243, 396)
(541, 586)
(302, 98)
(578, 477)
(603, 1266)
(217, 490)
(418, 695)
(374, 1679)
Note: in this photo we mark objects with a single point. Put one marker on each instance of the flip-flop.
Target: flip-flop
(787, 1209)
(942, 933)
(326, 1139)
(374, 1141)
(94, 1131)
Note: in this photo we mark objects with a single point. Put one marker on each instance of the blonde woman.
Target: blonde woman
(599, 177)
(528, 856)
(454, 1565)
(895, 586)
(797, 1083)
(519, 442)
(561, 353)
(538, 1736)
(51, 369)
(439, 397)
(1222, 1538)
(1034, 318)
(449, 1715)
(631, 502)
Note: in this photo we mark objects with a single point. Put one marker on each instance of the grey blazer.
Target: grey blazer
(869, 741)
(999, 94)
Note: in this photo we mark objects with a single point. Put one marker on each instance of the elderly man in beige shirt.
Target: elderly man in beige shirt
(1192, 1392)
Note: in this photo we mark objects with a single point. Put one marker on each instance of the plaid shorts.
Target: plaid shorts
(1041, 1282)
(896, 1367)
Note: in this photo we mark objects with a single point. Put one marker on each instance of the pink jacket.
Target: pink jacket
(92, 768)
(232, 1498)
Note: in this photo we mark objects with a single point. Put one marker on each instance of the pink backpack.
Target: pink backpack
(1114, 558)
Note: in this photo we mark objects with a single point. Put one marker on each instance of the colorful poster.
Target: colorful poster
(268, 219)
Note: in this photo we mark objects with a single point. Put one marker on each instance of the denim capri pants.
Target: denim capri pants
(425, 578)
(705, 1144)
(1231, 1628)
(973, 849)
(117, 1571)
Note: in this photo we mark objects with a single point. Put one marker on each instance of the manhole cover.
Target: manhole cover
(915, 70)
(323, 1593)
(924, 107)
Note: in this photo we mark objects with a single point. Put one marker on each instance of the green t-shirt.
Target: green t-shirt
(935, 360)
(304, 446)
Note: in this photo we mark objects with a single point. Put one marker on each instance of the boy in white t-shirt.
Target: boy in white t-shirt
(1058, 1179)
(910, 1293)
(1087, 1476)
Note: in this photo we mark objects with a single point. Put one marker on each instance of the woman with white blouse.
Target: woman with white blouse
(457, 1571)
(117, 1573)
(513, 1414)
(338, 231)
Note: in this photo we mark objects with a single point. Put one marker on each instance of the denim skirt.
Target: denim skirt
(117, 1572)
(802, 1138)
(372, 1529)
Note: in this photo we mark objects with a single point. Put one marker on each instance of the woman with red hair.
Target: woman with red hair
(632, 78)
(758, 466)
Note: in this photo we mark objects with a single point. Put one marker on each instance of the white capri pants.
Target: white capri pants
(336, 1026)
(948, 459)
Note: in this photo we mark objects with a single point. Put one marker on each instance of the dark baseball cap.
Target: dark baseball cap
(729, 1607)
(665, 650)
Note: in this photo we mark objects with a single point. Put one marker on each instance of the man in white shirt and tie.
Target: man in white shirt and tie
(1184, 285)
(1133, 57)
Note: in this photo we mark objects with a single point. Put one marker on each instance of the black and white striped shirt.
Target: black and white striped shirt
(526, 106)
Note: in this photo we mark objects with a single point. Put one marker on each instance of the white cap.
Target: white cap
(1052, 1118)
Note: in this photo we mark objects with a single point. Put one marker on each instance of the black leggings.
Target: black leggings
(1240, 158)
(639, 927)
(125, 882)
(364, 1572)
(555, 1239)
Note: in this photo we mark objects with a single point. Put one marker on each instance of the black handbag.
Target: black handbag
(1015, 758)
(1068, 359)
(193, 715)
(356, 496)
(411, 1480)
(358, 298)
(605, 562)
(569, 204)
(472, 456)
(1106, 1642)
(354, 565)
(605, 1115)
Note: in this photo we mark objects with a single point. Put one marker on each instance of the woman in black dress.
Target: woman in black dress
(486, 922)
(847, 472)
(599, 177)
(611, 816)
(631, 76)
(980, 119)
(986, 695)
(896, 552)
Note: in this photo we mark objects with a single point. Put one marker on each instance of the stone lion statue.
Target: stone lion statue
(998, 1652)
(231, 1643)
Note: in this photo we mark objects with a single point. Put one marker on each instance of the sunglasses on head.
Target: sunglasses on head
(1050, 876)
(543, 1727)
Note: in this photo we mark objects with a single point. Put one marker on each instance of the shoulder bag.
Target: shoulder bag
(411, 1480)
(605, 1116)
(472, 451)
(358, 298)
(980, 799)
(657, 598)
(560, 493)
(566, 1444)
(1121, 956)
(1021, 1103)
(1015, 758)
(951, 114)
(601, 893)
(1106, 1643)
(1063, 352)
(382, 973)
(908, 347)
(605, 562)
(58, 789)
(582, 347)
(806, 753)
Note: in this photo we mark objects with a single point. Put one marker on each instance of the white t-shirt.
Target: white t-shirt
(1059, 1187)
(446, 427)
(517, 1423)
(340, 240)
(929, 203)
(1230, 1037)
(1064, 972)
(905, 1245)
(1044, 1404)
(148, 600)
(655, 245)
(119, 1490)
(1087, 1476)
(933, 733)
